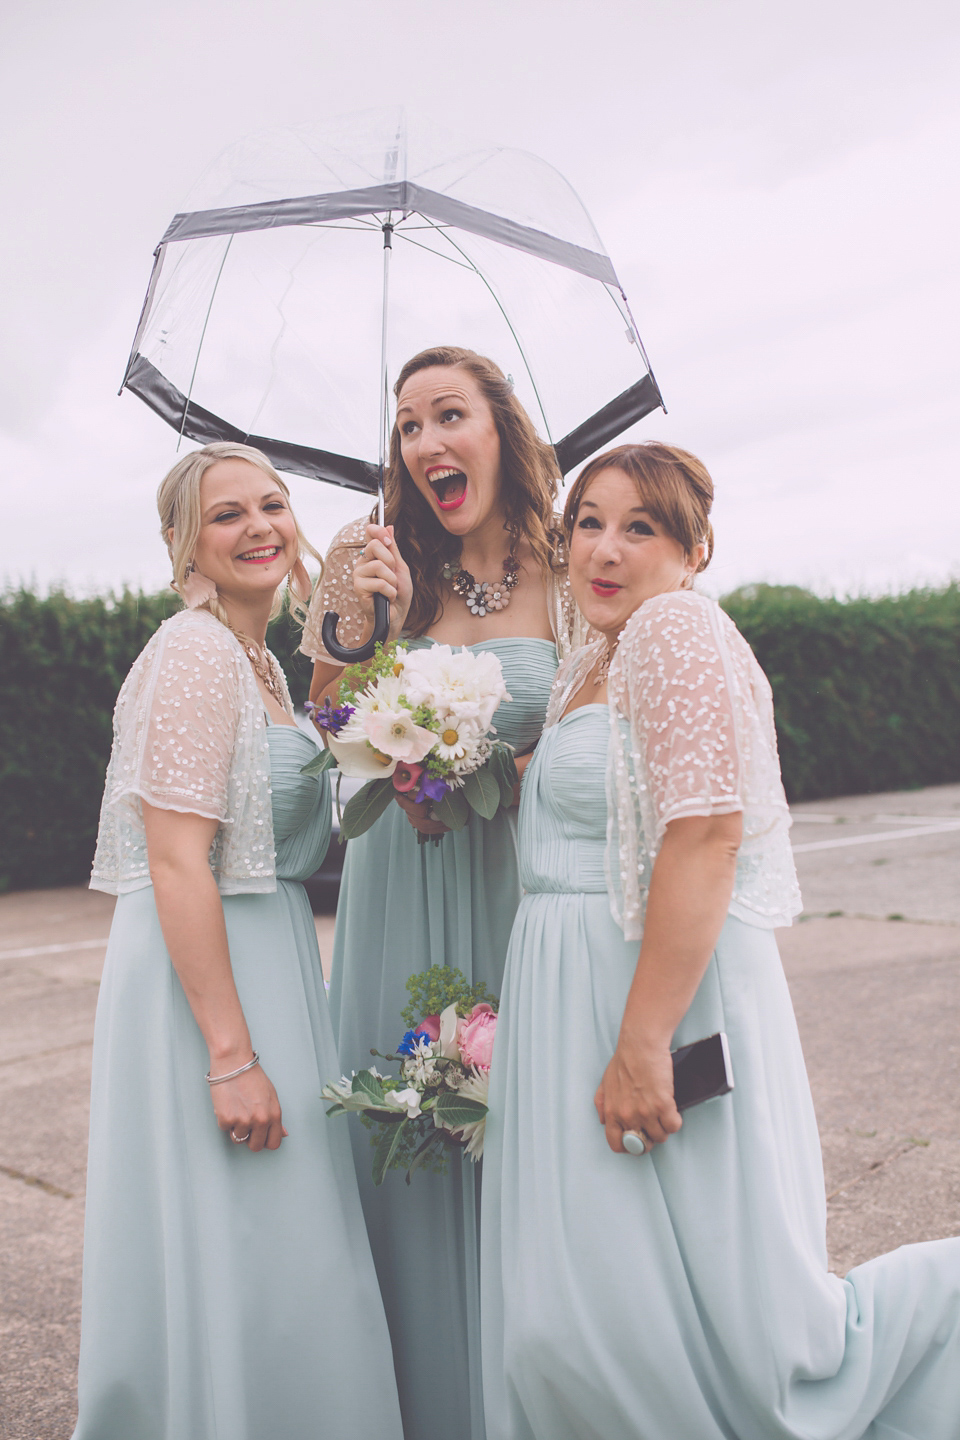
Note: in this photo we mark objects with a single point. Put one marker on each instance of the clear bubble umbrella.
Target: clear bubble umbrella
(310, 263)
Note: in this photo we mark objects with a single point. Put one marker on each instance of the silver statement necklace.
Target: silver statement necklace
(482, 596)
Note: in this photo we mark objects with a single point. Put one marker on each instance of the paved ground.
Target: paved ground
(874, 968)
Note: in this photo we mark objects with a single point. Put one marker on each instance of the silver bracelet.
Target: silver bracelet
(232, 1074)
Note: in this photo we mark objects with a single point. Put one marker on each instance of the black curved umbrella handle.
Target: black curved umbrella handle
(381, 629)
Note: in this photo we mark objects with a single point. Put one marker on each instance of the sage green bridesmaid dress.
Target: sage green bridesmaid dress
(227, 1295)
(404, 907)
(683, 1295)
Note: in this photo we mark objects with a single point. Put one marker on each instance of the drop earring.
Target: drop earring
(197, 588)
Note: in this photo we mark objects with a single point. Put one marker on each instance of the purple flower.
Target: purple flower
(433, 788)
(327, 716)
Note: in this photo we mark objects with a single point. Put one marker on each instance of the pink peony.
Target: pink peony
(407, 777)
(475, 1036)
(429, 1026)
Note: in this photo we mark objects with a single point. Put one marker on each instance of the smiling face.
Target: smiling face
(450, 446)
(248, 539)
(620, 555)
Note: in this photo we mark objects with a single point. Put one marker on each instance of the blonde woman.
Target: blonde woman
(228, 1283)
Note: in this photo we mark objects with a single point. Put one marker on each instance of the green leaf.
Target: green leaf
(386, 1149)
(337, 1109)
(482, 791)
(457, 1110)
(364, 1083)
(323, 760)
(365, 807)
(453, 810)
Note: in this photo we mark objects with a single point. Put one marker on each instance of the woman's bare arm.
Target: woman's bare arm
(690, 892)
(191, 918)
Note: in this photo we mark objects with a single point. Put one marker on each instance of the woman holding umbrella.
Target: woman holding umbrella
(470, 554)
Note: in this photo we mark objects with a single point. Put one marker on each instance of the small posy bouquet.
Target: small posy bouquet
(439, 1099)
(418, 723)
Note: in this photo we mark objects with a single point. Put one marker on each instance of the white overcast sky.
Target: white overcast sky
(777, 184)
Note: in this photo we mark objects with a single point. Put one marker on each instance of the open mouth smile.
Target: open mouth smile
(260, 557)
(449, 487)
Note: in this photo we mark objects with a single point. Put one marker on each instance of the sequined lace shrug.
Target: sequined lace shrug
(336, 592)
(189, 734)
(692, 733)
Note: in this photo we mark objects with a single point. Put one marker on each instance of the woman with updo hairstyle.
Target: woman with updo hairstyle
(228, 1287)
(647, 1276)
(471, 554)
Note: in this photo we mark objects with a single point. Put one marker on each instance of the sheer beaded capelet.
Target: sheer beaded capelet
(189, 734)
(691, 733)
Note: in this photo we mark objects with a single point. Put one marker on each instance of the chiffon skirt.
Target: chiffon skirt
(227, 1295)
(683, 1295)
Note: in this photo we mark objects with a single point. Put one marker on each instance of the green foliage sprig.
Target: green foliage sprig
(433, 990)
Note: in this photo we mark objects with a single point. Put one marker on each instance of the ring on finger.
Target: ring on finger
(240, 1139)
(636, 1142)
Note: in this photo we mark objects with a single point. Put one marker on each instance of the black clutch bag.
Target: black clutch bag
(701, 1071)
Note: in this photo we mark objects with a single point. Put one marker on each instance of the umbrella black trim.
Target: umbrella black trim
(202, 425)
(373, 199)
(607, 423)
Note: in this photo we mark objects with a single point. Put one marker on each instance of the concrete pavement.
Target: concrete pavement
(877, 1000)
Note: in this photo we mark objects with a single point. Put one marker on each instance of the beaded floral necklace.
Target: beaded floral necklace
(482, 596)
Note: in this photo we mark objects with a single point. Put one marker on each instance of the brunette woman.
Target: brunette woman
(471, 554)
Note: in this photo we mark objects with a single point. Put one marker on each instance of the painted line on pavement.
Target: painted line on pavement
(947, 827)
(53, 949)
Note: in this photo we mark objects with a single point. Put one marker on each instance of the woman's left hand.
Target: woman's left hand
(636, 1093)
(420, 815)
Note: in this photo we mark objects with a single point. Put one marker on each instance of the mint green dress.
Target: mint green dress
(227, 1294)
(404, 907)
(683, 1295)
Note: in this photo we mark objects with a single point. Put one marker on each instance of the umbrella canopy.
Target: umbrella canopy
(267, 321)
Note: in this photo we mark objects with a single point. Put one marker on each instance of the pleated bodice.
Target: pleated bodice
(563, 811)
(302, 818)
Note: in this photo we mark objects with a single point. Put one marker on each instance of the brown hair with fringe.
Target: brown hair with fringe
(675, 487)
(528, 486)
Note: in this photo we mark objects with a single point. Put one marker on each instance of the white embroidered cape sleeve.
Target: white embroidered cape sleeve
(189, 734)
(692, 733)
(335, 592)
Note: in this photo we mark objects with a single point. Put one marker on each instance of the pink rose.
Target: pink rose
(407, 777)
(429, 1026)
(475, 1036)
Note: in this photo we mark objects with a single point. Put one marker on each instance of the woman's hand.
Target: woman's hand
(418, 813)
(636, 1093)
(248, 1106)
(382, 570)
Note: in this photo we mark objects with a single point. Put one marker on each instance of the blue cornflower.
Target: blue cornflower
(408, 1045)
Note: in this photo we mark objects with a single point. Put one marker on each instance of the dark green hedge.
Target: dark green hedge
(867, 692)
(867, 697)
(62, 662)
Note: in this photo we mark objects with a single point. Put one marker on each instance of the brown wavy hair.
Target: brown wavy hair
(529, 476)
(674, 485)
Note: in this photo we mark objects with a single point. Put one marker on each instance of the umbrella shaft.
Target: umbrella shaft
(387, 252)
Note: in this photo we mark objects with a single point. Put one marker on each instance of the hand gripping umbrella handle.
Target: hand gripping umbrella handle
(381, 629)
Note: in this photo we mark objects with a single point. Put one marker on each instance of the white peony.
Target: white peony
(464, 683)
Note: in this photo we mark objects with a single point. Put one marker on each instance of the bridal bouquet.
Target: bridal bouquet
(418, 723)
(439, 1098)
